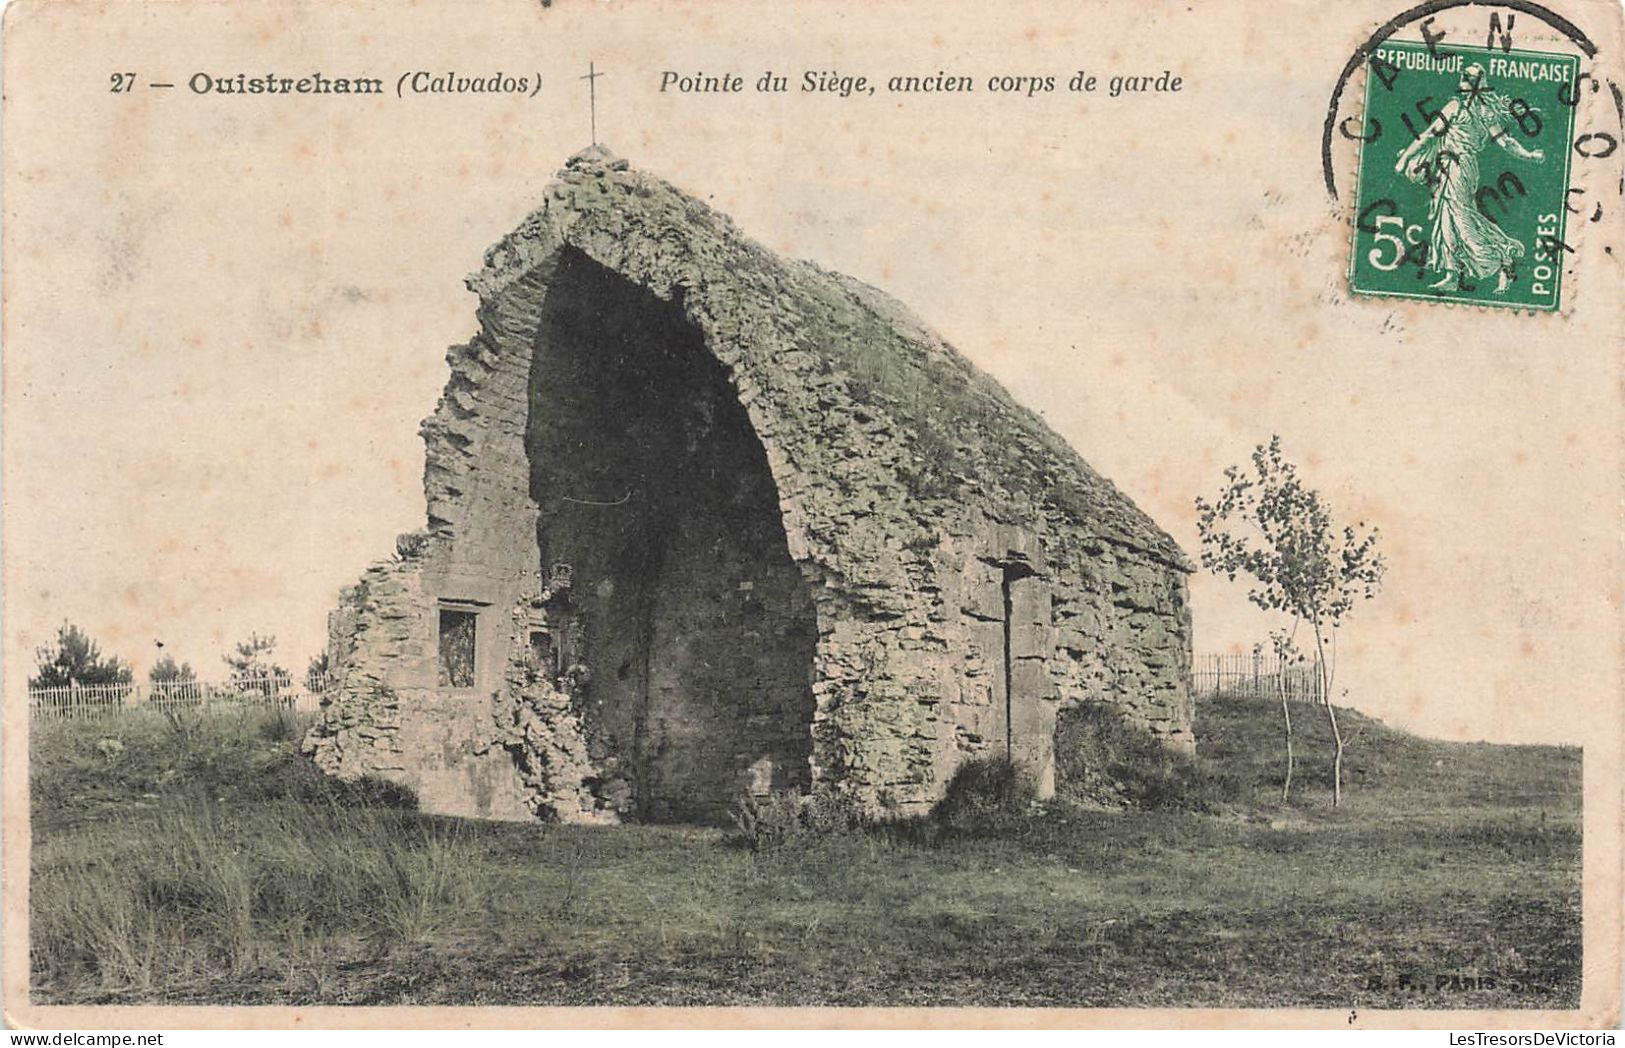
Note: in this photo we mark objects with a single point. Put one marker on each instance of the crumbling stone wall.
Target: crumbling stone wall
(875, 566)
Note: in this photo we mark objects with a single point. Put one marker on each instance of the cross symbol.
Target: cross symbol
(592, 98)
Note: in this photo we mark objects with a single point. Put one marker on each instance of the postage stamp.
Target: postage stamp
(1463, 176)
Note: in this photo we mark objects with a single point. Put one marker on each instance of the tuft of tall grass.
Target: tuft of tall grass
(201, 886)
(174, 844)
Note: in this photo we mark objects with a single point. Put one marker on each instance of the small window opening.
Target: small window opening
(541, 651)
(457, 639)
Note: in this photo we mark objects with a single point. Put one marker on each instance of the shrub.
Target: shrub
(827, 811)
(1101, 758)
(766, 820)
(986, 796)
(763, 821)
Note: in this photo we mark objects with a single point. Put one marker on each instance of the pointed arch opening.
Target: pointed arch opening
(692, 629)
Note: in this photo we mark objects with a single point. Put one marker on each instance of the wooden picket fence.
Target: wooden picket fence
(1255, 675)
(106, 700)
(1258, 675)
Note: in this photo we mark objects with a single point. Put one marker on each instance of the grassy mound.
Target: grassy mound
(1384, 768)
(85, 769)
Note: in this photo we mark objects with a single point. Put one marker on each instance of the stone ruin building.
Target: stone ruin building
(702, 520)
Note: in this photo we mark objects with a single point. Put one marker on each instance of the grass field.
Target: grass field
(205, 862)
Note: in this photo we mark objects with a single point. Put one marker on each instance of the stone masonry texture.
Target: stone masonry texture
(729, 523)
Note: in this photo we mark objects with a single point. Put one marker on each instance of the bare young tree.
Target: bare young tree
(1268, 525)
(1283, 643)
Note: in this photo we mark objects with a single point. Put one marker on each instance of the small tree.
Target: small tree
(316, 672)
(167, 678)
(165, 671)
(76, 660)
(252, 667)
(1268, 525)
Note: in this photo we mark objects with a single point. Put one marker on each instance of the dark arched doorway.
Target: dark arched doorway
(693, 628)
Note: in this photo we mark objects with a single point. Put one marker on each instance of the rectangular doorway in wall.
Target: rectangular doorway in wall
(1028, 713)
(1007, 668)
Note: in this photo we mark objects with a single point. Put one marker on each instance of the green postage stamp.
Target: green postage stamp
(1464, 175)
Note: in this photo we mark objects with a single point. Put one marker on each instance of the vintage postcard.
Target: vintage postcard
(813, 513)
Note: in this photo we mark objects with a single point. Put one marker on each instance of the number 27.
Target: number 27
(122, 83)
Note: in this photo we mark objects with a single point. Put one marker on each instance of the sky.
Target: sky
(226, 316)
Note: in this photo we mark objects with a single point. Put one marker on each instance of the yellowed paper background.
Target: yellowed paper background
(225, 315)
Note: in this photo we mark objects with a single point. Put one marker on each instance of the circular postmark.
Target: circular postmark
(1482, 149)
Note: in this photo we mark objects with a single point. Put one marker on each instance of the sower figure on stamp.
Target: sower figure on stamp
(1463, 243)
